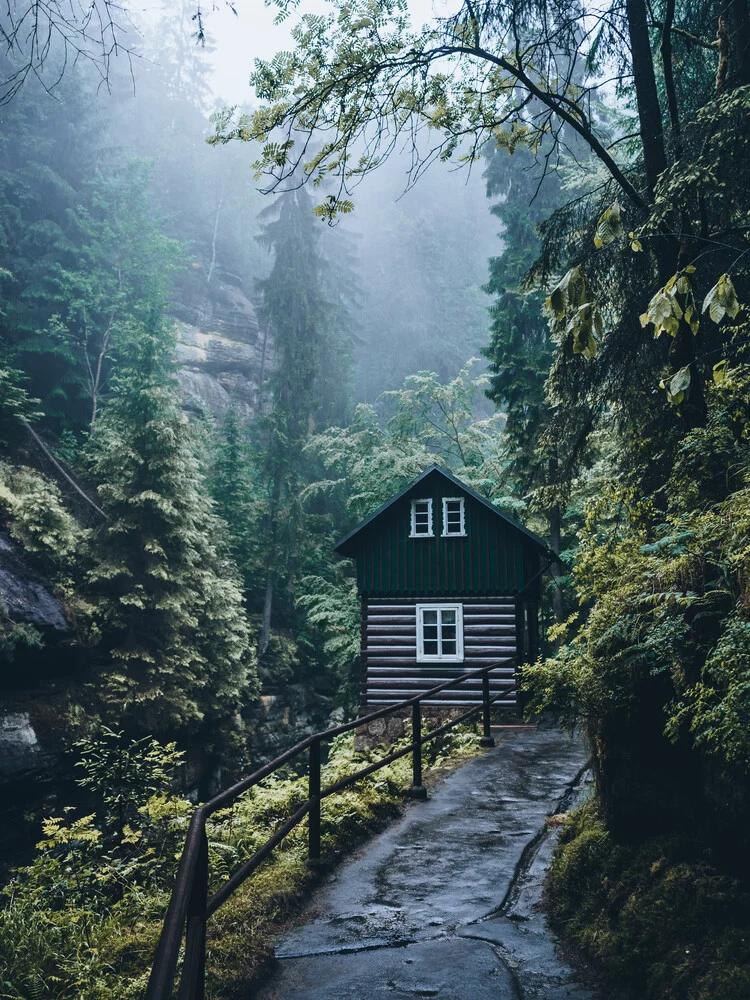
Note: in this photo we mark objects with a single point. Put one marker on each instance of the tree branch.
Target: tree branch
(553, 102)
(694, 39)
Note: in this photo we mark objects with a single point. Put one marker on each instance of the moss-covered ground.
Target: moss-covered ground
(656, 921)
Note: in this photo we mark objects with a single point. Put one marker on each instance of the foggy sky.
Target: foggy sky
(252, 34)
(421, 255)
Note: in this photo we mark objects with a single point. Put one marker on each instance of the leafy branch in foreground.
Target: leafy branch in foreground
(364, 81)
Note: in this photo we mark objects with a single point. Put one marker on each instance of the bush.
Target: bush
(654, 919)
(82, 920)
(33, 507)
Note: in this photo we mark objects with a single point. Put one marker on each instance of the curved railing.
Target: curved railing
(190, 905)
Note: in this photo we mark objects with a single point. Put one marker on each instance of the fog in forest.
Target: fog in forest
(407, 265)
(273, 454)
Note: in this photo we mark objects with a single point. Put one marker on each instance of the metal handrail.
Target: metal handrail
(189, 906)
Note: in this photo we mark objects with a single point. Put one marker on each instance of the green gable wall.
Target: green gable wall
(493, 558)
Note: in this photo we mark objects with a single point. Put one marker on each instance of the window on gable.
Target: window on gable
(421, 519)
(440, 633)
(454, 517)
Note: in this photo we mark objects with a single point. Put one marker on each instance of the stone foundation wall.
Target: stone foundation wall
(390, 729)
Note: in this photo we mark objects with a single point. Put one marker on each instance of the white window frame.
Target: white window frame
(454, 534)
(458, 656)
(430, 533)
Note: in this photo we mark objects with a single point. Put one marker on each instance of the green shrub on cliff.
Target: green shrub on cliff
(33, 509)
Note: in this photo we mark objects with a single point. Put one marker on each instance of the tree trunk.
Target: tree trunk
(647, 98)
(740, 18)
(265, 629)
(262, 376)
(666, 60)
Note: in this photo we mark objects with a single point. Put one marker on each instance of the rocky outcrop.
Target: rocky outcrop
(222, 353)
(36, 777)
(22, 756)
(33, 700)
(26, 595)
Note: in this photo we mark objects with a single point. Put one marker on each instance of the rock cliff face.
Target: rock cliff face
(33, 703)
(223, 355)
(27, 597)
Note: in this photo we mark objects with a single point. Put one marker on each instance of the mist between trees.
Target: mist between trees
(203, 386)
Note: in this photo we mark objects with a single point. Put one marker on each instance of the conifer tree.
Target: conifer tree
(236, 498)
(174, 633)
(520, 349)
(81, 251)
(308, 382)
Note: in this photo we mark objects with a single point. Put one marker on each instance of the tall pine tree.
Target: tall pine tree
(309, 383)
(174, 634)
(520, 349)
(236, 496)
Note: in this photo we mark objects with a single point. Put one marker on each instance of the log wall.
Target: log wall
(390, 672)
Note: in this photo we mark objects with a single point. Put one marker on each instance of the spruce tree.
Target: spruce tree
(236, 498)
(520, 349)
(174, 634)
(309, 381)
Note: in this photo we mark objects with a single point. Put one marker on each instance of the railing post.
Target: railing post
(417, 790)
(313, 851)
(486, 740)
(193, 978)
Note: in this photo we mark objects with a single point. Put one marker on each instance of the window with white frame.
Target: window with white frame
(422, 525)
(440, 633)
(454, 516)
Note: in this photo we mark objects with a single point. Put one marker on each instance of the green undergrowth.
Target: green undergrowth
(81, 921)
(655, 920)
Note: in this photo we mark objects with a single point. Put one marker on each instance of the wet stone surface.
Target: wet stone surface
(444, 903)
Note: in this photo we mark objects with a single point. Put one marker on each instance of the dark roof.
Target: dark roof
(343, 544)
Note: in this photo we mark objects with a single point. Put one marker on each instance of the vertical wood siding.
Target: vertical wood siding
(391, 672)
(492, 558)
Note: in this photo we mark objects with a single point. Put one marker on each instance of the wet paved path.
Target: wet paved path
(442, 904)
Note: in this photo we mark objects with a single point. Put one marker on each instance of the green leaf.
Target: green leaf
(680, 381)
(691, 318)
(721, 300)
(608, 226)
(556, 303)
(591, 347)
(664, 311)
(563, 295)
(581, 325)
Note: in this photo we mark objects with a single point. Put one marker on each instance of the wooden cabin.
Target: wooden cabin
(448, 583)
